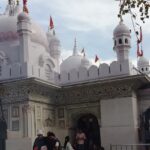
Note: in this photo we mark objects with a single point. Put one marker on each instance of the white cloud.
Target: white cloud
(75, 16)
(82, 15)
(65, 54)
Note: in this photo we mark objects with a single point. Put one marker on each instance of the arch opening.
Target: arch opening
(88, 123)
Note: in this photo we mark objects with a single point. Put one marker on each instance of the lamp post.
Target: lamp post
(3, 129)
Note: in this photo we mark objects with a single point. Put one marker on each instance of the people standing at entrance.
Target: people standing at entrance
(40, 141)
(52, 142)
(67, 144)
(80, 140)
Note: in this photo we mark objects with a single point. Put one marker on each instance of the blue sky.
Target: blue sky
(90, 21)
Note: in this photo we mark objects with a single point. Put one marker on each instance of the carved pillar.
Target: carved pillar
(28, 121)
(25, 123)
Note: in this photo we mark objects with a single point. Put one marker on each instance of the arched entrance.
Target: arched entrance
(145, 126)
(88, 123)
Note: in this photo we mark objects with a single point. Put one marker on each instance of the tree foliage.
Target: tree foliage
(128, 6)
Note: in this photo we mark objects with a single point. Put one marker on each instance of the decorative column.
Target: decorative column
(28, 121)
(24, 31)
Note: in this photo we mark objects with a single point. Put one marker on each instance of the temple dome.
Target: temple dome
(8, 29)
(121, 29)
(23, 16)
(142, 62)
(72, 62)
(75, 61)
(85, 62)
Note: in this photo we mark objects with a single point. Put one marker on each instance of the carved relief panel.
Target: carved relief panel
(15, 111)
(48, 117)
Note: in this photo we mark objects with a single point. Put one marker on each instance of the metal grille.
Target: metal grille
(130, 147)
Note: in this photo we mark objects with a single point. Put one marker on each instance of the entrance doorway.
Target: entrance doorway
(89, 125)
(144, 133)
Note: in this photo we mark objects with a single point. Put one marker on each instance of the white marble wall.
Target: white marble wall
(119, 121)
(114, 70)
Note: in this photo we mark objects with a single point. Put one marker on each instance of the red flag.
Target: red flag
(96, 58)
(25, 9)
(24, 2)
(139, 52)
(51, 23)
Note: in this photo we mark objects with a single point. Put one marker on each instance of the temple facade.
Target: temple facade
(110, 103)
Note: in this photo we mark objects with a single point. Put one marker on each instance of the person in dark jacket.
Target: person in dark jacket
(3, 133)
(40, 142)
(52, 142)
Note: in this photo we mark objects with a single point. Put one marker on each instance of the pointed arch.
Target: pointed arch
(3, 58)
(3, 61)
(49, 69)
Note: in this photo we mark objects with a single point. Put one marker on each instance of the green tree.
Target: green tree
(132, 6)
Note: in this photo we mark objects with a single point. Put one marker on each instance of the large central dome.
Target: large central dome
(8, 30)
(74, 62)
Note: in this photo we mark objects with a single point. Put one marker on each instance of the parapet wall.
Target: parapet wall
(115, 69)
(26, 70)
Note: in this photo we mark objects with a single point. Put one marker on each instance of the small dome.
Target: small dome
(55, 39)
(121, 29)
(23, 16)
(72, 62)
(54, 46)
(85, 62)
(142, 62)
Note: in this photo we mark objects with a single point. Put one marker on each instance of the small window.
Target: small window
(126, 41)
(146, 69)
(115, 43)
(120, 41)
(142, 69)
(48, 71)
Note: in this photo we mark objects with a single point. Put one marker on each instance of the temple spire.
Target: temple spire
(10, 9)
(11, 2)
(75, 48)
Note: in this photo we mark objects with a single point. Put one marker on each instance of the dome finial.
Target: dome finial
(121, 19)
(75, 48)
